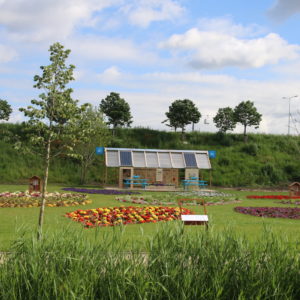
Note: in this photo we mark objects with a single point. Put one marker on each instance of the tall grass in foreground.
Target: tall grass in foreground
(172, 265)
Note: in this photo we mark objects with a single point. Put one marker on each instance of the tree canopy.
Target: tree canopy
(91, 131)
(5, 110)
(224, 119)
(117, 110)
(182, 113)
(246, 114)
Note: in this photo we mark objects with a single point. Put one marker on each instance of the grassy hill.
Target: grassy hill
(266, 160)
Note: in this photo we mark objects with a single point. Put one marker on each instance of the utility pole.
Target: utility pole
(289, 119)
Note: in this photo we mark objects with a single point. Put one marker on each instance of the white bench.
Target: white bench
(195, 220)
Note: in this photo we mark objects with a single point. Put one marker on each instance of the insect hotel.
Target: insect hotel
(294, 189)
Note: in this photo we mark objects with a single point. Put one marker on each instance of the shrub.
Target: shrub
(250, 149)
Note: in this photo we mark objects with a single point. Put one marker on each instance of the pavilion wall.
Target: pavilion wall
(169, 176)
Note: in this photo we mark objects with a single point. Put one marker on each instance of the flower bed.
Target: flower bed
(151, 201)
(103, 192)
(271, 212)
(112, 216)
(288, 202)
(24, 199)
(278, 197)
(210, 197)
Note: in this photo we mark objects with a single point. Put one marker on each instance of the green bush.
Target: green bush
(250, 149)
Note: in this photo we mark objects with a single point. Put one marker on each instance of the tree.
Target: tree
(224, 119)
(91, 132)
(49, 116)
(5, 110)
(246, 114)
(182, 113)
(117, 110)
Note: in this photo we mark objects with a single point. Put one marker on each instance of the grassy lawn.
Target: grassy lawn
(221, 216)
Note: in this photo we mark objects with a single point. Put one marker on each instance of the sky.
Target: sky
(153, 52)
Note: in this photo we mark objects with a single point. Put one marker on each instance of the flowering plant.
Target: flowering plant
(97, 191)
(112, 216)
(278, 197)
(156, 201)
(288, 202)
(271, 212)
(25, 199)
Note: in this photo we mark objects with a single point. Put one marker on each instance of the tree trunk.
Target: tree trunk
(245, 134)
(83, 172)
(182, 134)
(193, 126)
(42, 208)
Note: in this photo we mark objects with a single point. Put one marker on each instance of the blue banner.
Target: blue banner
(99, 150)
(212, 154)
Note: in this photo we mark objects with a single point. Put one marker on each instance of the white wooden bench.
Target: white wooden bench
(195, 219)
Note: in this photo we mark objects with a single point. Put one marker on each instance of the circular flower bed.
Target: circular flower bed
(278, 197)
(112, 216)
(103, 192)
(270, 212)
(24, 199)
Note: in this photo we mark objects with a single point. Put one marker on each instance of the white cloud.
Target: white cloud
(225, 25)
(283, 9)
(289, 70)
(110, 75)
(143, 12)
(210, 49)
(48, 20)
(7, 54)
(92, 47)
(188, 77)
(37, 20)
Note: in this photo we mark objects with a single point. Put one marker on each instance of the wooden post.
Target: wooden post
(105, 175)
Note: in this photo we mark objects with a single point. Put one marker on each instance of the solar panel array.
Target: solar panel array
(138, 158)
(190, 160)
(125, 158)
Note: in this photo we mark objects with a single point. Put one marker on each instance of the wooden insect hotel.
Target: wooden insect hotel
(35, 184)
(294, 189)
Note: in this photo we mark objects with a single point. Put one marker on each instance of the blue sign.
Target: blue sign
(99, 150)
(212, 154)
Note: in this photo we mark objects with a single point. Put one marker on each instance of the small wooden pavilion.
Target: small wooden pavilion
(158, 167)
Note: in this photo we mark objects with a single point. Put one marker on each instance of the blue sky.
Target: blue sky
(152, 52)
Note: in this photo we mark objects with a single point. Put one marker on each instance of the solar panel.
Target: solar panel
(112, 158)
(164, 160)
(152, 160)
(190, 160)
(125, 158)
(177, 159)
(203, 161)
(139, 159)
